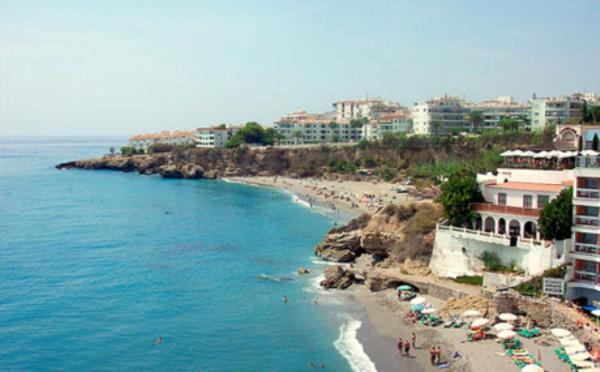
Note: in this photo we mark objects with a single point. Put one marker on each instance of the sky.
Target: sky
(123, 67)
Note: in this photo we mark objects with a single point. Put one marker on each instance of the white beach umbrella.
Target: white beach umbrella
(566, 154)
(518, 153)
(528, 154)
(503, 327)
(583, 364)
(589, 370)
(560, 332)
(575, 349)
(569, 341)
(507, 317)
(506, 334)
(589, 153)
(429, 311)
(478, 323)
(471, 314)
(418, 301)
(580, 356)
(596, 312)
(507, 153)
(541, 154)
(532, 368)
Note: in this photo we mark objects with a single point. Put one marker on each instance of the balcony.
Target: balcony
(587, 249)
(588, 162)
(587, 277)
(490, 237)
(588, 193)
(587, 221)
(505, 209)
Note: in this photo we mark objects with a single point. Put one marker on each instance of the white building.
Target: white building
(393, 123)
(441, 116)
(500, 108)
(555, 110)
(302, 128)
(347, 110)
(507, 221)
(144, 141)
(215, 137)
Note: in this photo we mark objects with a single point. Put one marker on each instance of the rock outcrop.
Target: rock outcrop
(340, 247)
(337, 277)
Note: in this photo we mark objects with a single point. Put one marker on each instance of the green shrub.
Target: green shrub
(492, 263)
(471, 280)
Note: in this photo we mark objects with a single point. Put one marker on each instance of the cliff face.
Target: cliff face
(396, 240)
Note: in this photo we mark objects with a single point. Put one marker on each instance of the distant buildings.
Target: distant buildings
(441, 116)
(215, 137)
(392, 123)
(348, 110)
(503, 107)
(303, 128)
(555, 110)
(144, 141)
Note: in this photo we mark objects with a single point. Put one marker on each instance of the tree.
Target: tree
(112, 150)
(595, 142)
(333, 125)
(335, 138)
(252, 133)
(130, 151)
(556, 217)
(272, 136)
(358, 123)
(459, 193)
(509, 125)
(435, 126)
(476, 120)
(297, 135)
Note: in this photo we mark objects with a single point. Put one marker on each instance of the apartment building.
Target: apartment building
(347, 110)
(144, 141)
(302, 128)
(555, 110)
(500, 108)
(392, 123)
(441, 116)
(215, 137)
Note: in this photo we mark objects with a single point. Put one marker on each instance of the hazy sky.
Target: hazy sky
(120, 67)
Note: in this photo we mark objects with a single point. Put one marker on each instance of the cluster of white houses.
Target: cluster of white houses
(507, 222)
(371, 119)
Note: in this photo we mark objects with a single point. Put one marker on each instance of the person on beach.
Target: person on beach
(407, 348)
(456, 356)
(414, 340)
(432, 355)
(438, 355)
(400, 344)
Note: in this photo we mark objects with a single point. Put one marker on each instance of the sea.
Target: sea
(104, 270)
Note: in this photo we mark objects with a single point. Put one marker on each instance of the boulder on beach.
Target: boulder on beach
(337, 277)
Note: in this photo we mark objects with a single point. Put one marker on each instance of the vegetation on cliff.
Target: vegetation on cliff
(556, 218)
(457, 197)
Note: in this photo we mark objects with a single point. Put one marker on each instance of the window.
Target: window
(527, 201)
(542, 200)
(502, 198)
(587, 266)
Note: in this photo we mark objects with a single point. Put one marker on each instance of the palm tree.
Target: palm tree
(476, 120)
(297, 135)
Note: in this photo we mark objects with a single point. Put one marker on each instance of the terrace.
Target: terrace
(546, 160)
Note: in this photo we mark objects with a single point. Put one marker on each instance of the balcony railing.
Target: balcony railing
(491, 237)
(588, 193)
(591, 221)
(505, 209)
(584, 276)
(585, 248)
(588, 161)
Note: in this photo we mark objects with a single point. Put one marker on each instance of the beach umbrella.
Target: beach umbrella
(580, 356)
(404, 287)
(582, 364)
(517, 153)
(506, 334)
(528, 153)
(560, 332)
(589, 153)
(507, 317)
(507, 153)
(503, 327)
(575, 349)
(471, 314)
(429, 311)
(569, 341)
(478, 323)
(418, 301)
(532, 368)
(541, 154)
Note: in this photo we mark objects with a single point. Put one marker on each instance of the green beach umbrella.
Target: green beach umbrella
(404, 287)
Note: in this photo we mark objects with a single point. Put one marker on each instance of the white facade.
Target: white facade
(144, 141)
(500, 108)
(375, 130)
(348, 110)
(299, 133)
(555, 110)
(441, 116)
(214, 137)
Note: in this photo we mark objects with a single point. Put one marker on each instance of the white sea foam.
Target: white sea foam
(297, 200)
(319, 261)
(351, 349)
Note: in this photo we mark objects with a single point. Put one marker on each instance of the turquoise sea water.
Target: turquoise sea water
(95, 265)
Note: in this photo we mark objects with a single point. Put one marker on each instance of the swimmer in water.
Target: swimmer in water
(158, 341)
(284, 299)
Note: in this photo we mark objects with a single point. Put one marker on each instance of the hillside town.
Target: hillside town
(371, 118)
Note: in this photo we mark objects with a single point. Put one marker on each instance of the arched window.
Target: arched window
(502, 226)
(529, 229)
(514, 228)
(489, 225)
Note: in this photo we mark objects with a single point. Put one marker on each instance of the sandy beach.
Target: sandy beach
(351, 197)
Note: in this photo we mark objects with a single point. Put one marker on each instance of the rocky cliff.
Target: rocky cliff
(398, 238)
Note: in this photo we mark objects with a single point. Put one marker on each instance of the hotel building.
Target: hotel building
(500, 108)
(347, 110)
(215, 137)
(392, 123)
(441, 116)
(302, 128)
(555, 110)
